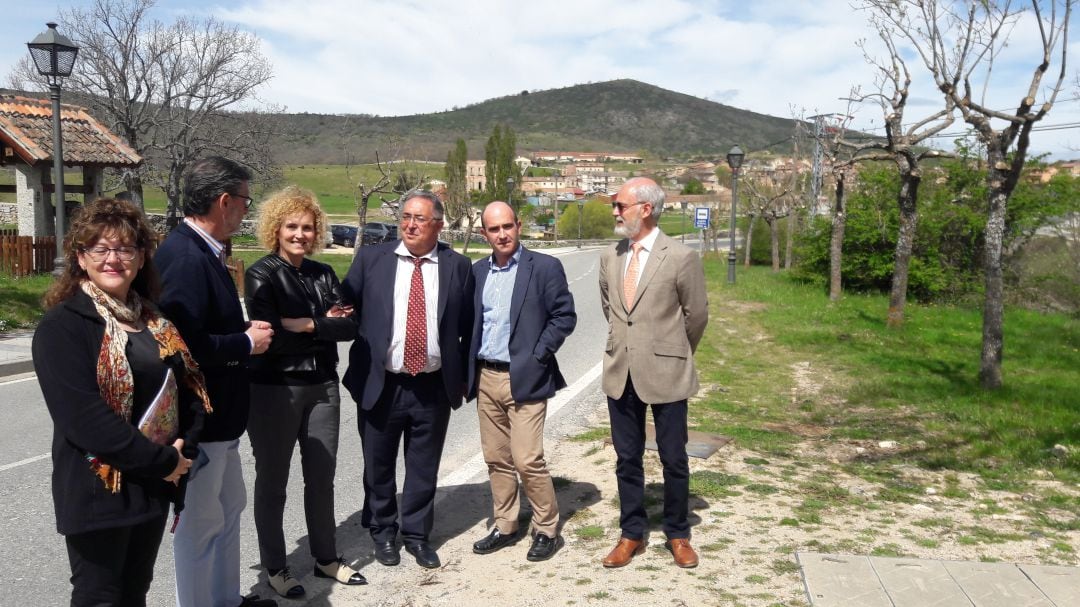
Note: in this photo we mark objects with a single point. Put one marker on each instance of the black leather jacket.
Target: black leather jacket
(275, 289)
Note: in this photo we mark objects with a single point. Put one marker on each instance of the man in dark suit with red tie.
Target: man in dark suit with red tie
(413, 299)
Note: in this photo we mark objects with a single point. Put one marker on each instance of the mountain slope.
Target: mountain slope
(619, 115)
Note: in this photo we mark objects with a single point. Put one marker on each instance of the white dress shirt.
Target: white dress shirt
(395, 356)
(647, 245)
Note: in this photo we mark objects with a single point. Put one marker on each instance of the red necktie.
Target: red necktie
(416, 322)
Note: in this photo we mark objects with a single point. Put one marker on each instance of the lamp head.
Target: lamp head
(735, 158)
(53, 53)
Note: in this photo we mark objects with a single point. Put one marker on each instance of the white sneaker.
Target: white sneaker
(284, 584)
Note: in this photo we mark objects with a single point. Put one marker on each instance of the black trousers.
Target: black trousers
(416, 409)
(114, 567)
(628, 437)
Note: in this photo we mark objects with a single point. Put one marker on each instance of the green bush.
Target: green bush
(946, 260)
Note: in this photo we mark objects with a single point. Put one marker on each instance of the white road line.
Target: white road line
(476, 466)
(15, 381)
(28, 460)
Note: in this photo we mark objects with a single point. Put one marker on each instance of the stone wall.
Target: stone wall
(157, 221)
(9, 213)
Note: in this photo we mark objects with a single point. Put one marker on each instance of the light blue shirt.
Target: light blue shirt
(498, 290)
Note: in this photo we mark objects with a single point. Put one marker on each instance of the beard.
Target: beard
(629, 228)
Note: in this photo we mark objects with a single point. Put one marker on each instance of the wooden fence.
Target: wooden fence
(25, 255)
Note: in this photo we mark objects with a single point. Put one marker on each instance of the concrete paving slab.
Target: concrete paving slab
(847, 580)
(1060, 584)
(996, 585)
(918, 583)
(834, 580)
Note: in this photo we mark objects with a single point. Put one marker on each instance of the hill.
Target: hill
(618, 115)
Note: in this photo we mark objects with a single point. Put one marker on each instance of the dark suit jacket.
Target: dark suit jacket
(369, 286)
(200, 297)
(541, 317)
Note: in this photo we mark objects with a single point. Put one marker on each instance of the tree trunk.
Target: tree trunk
(748, 240)
(994, 302)
(909, 189)
(793, 230)
(134, 186)
(468, 232)
(774, 240)
(362, 219)
(836, 244)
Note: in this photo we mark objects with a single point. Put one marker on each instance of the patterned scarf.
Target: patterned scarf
(115, 380)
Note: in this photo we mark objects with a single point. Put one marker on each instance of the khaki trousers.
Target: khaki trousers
(512, 436)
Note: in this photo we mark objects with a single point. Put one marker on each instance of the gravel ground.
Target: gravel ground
(750, 516)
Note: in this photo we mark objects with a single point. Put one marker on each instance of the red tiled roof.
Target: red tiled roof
(26, 127)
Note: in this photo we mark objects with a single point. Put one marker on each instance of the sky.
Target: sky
(398, 57)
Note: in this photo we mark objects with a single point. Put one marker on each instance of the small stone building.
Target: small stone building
(26, 136)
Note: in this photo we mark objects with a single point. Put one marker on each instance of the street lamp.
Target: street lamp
(734, 160)
(555, 232)
(580, 219)
(683, 204)
(54, 56)
(510, 191)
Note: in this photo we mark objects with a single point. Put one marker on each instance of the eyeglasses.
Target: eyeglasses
(100, 253)
(247, 199)
(419, 219)
(622, 207)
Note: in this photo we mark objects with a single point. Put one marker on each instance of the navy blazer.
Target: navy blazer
(541, 317)
(369, 286)
(200, 297)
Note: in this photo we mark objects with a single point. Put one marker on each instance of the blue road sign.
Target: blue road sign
(701, 217)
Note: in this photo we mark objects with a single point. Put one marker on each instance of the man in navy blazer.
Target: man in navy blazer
(199, 295)
(406, 372)
(523, 313)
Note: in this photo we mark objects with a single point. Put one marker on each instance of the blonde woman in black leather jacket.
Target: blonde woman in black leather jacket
(294, 390)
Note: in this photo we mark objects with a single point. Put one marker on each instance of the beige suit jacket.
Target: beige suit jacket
(653, 338)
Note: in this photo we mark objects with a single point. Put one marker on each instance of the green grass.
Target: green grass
(916, 383)
(335, 188)
(20, 301)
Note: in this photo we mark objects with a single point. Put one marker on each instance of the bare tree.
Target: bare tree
(901, 143)
(958, 43)
(363, 194)
(166, 88)
(769, 198)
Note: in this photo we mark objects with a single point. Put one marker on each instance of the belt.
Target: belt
(494, 365)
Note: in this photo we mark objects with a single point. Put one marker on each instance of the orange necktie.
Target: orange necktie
(630, 282)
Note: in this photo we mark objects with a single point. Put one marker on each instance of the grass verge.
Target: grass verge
(781, 365)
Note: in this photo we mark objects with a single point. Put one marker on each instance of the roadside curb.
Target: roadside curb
(16, 367)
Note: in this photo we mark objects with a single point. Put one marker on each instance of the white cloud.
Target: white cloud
(394, 57)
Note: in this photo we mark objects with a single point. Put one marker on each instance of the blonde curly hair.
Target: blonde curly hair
(285, 203)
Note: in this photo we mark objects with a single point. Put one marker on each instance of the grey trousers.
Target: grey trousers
(280, 417)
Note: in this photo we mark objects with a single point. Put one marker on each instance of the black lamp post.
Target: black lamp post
(734, 160)
(510, 191)
(580, 219)
(54, 56)
(682, 203)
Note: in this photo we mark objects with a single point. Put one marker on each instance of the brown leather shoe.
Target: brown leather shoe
(685, 556)
(624, 552)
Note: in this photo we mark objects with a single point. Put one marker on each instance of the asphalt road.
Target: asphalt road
(33, 558)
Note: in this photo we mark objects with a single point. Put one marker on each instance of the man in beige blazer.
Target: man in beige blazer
(652, 290)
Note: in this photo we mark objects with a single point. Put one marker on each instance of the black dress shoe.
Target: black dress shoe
(253, 600)
(543, 547)
(387, 553)
(425, 555)
(494, 541)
